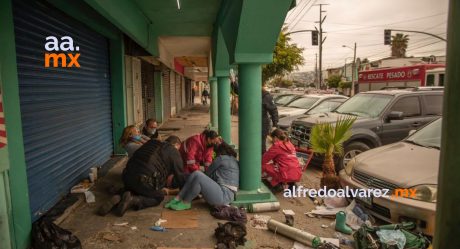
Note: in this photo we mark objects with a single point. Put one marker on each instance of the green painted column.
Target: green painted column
(117, 73)
(224, 115)
(214, 103)
(250, 125)
(19, 192)
(158, 88)
(447, 209)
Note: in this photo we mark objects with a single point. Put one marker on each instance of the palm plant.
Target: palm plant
(327, 139)
(399, 44)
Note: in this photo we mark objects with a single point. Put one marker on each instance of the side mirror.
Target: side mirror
(412, 132)
(395, 115)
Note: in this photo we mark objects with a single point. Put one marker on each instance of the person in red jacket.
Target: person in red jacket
(198, 149)
(280, 164)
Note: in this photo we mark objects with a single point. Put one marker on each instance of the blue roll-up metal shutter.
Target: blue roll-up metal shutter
(66, 112)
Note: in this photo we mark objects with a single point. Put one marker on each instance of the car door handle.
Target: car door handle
(416, 124)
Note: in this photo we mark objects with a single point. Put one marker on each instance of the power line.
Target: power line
(306, 11)
(298, 13)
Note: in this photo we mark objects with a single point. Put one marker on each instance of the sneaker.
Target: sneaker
(180, 205)
(108, 206)
(127, 200)
(171, 202)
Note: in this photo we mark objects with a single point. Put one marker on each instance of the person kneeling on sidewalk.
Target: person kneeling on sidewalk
(279, 164)
(217, 185)
(146, 174)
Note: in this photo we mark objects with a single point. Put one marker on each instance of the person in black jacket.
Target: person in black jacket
(268, 108)
(147, 172)
(151, 129)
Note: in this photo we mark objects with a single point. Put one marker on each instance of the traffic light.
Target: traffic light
(387, 37)
(314, 38)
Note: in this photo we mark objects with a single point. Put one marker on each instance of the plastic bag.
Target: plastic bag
(392, 237)
(47, 235)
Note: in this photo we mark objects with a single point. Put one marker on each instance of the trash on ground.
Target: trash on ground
(324, 211)
(46, 234)
(294, 233)
(82, 187)
(324, 226)
(230, 235)
(229, 213)
(264, 207)
(134, 228)
(335, 202)
(288, 212)
(344, 240)
(357, 216)
(158, 229)
(289, 215)
(392, 238)
(159, 221)
(259, 221)
(121, 224)
(89, 196)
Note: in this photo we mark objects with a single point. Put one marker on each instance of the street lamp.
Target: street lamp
(353, 69)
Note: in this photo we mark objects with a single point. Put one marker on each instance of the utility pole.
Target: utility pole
(353, 76)
(316, 70)
(321, 41)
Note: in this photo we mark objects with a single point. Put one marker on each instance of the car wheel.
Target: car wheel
(350, 151)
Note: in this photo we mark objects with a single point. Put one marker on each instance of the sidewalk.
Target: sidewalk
(97, 232)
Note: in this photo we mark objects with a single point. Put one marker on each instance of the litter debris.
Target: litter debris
(330, 241)
(335, 202)
(121, 224)
(324, 211)
(289, 215)
(343, 240)
(159, 221)
(134, 228)
(81, 188)
(89, 196)
(294, 233)
(264, 207)
(230, 213)
(324, 226)
(158, 229)
(392, 237)
(230, 235)
(260, 221)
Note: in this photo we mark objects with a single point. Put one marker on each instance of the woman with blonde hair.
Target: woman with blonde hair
(132, 139)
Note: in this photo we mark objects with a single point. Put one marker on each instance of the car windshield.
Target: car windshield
(428, 136)
(303, 102)
(284, 99)
(365, 105)
(325, 106)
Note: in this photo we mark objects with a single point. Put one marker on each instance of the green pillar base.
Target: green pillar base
(244, 198)
(209, 126)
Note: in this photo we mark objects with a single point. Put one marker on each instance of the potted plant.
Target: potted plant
(327, 139)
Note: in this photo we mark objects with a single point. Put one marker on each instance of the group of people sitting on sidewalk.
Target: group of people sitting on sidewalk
(202, 165)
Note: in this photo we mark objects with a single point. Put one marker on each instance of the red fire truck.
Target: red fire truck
(410, 76)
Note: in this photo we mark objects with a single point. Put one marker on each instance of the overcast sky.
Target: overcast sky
(363, 22)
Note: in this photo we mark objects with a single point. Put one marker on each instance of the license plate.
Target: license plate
(365, 200)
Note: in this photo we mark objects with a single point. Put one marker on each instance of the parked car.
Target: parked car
(327, 105)
(383, 117)
(305, 103)
(285, 99)
(412, 163)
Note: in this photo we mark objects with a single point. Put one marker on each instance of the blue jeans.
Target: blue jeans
(212, 192)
